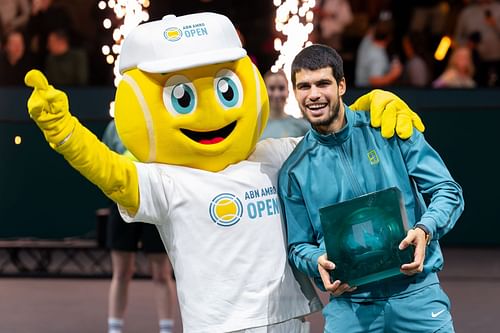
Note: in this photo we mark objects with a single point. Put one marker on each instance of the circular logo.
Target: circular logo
(173, 34)
(225, 209)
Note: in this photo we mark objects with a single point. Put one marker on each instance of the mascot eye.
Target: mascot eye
(182, 98)
(228, 89)
(179, 95)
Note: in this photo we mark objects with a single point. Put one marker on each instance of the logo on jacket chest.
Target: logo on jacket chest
(373, 157)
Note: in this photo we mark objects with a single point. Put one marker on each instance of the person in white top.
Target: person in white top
(191, 107)
(280, 124)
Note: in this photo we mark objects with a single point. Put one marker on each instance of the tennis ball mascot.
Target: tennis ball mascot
(191, 107)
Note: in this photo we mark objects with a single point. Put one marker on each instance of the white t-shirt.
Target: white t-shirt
(226, 241)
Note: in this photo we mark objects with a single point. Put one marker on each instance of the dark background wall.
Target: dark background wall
(41, 196)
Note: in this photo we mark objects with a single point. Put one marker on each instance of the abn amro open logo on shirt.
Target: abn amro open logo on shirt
(226, 209)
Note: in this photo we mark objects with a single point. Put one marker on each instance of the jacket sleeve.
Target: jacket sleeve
(303, 246)
(434, 181)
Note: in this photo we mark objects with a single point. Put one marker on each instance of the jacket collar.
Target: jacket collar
(339, 137)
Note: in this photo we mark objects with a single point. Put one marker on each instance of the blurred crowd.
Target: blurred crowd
(388, 43)
(383, 42)
(40, 34)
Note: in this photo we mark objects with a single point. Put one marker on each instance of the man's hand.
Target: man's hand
(49, 108)
(336, 288)
(418, 238)
(390, 113)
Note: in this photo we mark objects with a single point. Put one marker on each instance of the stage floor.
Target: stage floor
(46, 305)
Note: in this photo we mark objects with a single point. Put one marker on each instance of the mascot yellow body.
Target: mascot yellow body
(191, 107)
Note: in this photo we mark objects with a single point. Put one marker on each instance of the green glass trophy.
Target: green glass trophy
(362, 237)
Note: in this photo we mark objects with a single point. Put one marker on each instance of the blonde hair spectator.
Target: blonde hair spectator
(459, 71)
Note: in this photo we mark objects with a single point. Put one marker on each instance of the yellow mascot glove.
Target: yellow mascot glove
(130, 156)
(49, 108)
(114, 174)
(389, 112)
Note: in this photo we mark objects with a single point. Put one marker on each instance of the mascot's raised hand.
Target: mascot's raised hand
(114, 174)
(49, 108)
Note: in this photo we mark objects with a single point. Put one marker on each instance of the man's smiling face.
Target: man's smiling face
(320, 98)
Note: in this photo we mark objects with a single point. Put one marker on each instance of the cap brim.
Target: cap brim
(192, 61)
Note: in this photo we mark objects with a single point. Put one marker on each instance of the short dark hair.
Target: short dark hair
(318, 56)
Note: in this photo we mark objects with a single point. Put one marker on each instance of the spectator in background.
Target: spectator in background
(46, 16)
(65, 65)
(459, 72)
(281, 124)
(429, 17)
(416, 69)
(124, 239)
(14, 15)
(373, 65)
(482, 16)
(15, 60)
(334, 17)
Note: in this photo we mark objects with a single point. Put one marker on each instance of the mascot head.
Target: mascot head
(189, 95)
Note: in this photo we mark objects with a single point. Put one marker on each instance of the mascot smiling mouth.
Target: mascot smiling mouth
(211, 137)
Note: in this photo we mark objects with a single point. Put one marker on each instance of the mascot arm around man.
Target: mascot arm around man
(191, 107)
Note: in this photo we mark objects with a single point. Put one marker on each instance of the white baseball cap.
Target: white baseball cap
(176, 43)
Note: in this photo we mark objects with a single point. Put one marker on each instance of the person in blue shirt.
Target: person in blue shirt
(342, 157)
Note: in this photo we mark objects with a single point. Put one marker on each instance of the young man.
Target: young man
(330, 165)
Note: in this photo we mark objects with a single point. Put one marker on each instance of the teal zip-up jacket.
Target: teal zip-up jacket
(327, 169)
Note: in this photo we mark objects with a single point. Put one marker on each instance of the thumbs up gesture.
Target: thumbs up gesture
(49, 108)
